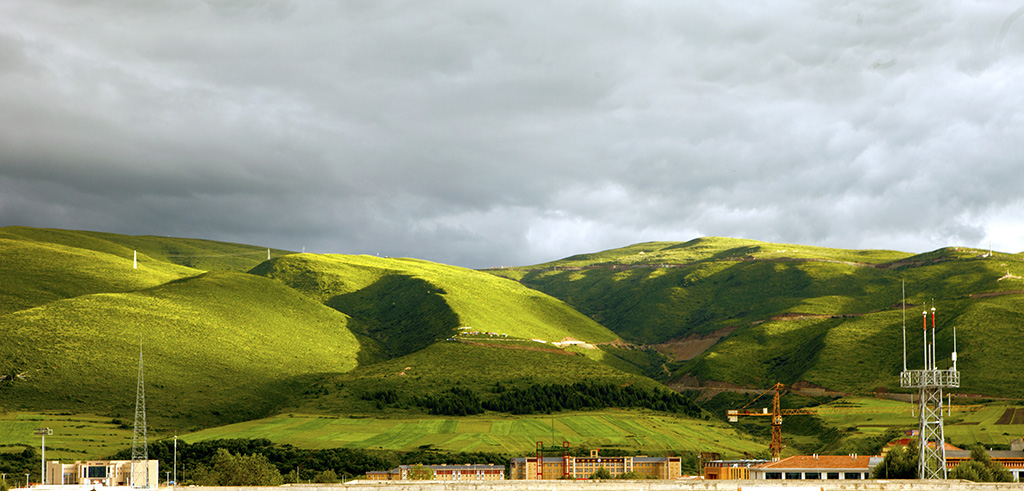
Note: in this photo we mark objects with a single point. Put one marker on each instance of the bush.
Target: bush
(981, 468)
(227, 469)
(899, 463)
(420, 472)
(601, 473)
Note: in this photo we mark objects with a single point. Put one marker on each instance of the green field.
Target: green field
(75, 437)
(642, 431)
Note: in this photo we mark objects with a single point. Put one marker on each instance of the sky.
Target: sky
(487, 134)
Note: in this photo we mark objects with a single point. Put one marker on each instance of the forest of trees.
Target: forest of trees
(588, 395)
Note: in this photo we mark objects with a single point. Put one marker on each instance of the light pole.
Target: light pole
(43, 432)
(175, 460)
(26, 480)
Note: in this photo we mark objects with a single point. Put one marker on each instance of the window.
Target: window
(812, 475)
(773, 475)
(851, 475)
(833, 475)
(96, 471)
(793, 475)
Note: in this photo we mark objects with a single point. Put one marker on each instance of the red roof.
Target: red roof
(906, 441)
(819, 462)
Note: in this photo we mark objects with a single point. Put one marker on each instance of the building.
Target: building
(828, 467)
(444, 472)
(101, 473)
(730, 469)
(1012, 459)
(569, 467)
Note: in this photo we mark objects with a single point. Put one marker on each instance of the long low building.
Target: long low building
(570, 467)
(828, 467)
(443, 472)
(103, 473)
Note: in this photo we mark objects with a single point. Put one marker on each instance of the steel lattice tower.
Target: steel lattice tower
(929, 382)
(140, 450)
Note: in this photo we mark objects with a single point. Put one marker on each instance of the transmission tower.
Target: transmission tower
(140, 450)
(929, 382)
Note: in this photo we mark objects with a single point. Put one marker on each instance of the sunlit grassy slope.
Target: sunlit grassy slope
(204, 255)
(218, 347)
(797, 313)
(38, 266)
(645, 432)
(409, 304)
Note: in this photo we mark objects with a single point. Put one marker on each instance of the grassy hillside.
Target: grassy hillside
(408, 304)
(643, 432)
(203, 255)
(218, 347)
(752, 314)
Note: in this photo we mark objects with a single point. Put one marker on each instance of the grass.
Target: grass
(209, 342)
(75, 436)
(455, 364)
(825, 316)
(199, 254)
(642, 431)
(478, 300)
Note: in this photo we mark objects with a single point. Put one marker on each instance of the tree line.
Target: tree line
(260, 462)
(588, 395)
(546, 399)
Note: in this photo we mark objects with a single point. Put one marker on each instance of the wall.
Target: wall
(651, 485)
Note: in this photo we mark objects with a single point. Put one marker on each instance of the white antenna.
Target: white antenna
(135, 259)
(904, 325)
(954, 348)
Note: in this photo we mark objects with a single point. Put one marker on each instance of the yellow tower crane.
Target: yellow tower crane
(775, 447)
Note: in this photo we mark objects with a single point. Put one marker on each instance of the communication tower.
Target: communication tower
(140, 451)
(930, 382)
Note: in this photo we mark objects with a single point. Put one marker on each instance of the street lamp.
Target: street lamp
(175, 460)
(43, 432)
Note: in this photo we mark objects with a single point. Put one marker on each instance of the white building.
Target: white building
(102, 473)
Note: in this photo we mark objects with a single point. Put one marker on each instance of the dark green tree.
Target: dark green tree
(981, 468)
(420, 472)
(601, 473)
(328, 476)
(228, 469)
(899, 463)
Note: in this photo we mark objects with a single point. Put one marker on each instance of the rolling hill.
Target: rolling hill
(409, 304)
(219, 323)
(748, 313)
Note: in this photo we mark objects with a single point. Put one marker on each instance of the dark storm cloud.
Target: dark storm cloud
(481, 134)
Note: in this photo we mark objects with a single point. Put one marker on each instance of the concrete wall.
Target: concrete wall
(649, 485)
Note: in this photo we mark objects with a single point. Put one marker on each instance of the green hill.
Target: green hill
(409, 304)
(752, 313)
(219, 347)
(200, 254)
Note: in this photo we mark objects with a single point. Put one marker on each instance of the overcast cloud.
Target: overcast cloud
(484, 133)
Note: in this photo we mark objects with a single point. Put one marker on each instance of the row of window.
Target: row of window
(813, 475)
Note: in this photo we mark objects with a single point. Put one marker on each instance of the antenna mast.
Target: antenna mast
(140, 450)
(929, 382)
